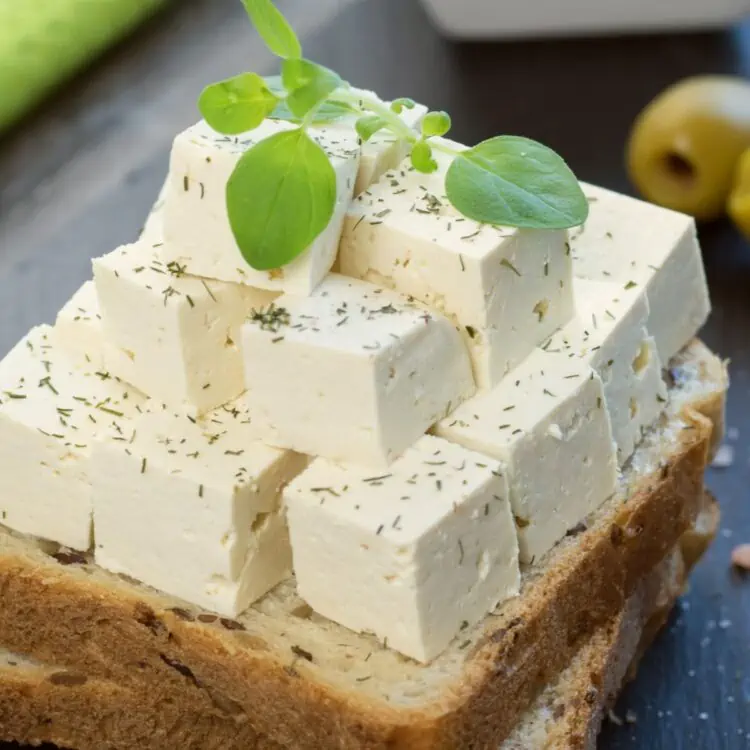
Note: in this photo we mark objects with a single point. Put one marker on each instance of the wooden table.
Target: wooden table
(78, 178)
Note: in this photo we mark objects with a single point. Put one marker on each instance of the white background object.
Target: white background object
(508, 18)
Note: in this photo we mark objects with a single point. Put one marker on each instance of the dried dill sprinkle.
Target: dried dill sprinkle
(548, 392)
(461, 552)
(461, 261)
(471, 331)
(143, 466)
(631, 285)
(176, 269)
(186, 183)
(270, 318)
(370, 480)
(507, 264)
(46, 382)
(472, 236)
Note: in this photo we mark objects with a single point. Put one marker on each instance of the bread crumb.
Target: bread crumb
(724, 457)
(741, 556)
(631, 717)
(614, 718)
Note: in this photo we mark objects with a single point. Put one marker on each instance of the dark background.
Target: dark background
(77, 180)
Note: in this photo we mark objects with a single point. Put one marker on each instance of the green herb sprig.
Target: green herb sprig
(282, 193)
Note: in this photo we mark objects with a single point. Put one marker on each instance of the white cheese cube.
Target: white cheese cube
(628, 240)
(414, 555)
(153, 229)
(50, 414)
(180, 333)
(80, 334)
(352, 372)
(191, 507)
(547, 423)
(384, 150)
(196, 225)
(508, 289)
(609, 334)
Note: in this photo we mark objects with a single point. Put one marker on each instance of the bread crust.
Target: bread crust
(109, 629)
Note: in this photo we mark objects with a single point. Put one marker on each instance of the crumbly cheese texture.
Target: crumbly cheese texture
(50, 414)
(630, 241)
(414, 555)
(507, 289)
(353, 372)
(609, 334)
(547, 422)
(80, 334)
(179, 333)
(196, 224)
(384, 150)
(192, 508)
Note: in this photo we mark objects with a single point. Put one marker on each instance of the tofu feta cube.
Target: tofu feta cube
(179, 333)
(353, 372)
(80, 334)
(507, 289)
(50, 414)
(609, 334)
(414, 555)
(153, 229)
(384, 150)
(547, 423)
(196, 224)
(192, 507)
(630, 241)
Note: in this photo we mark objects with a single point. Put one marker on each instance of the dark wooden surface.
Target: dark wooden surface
(77, 180)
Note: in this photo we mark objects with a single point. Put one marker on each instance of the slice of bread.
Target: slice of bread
(41, 703)
(307, 683)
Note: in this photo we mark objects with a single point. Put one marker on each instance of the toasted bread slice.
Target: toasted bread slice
(308, 683)
(41, 703)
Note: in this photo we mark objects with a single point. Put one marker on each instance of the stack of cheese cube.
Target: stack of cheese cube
(403, 434)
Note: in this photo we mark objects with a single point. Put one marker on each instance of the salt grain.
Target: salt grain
(724, 457)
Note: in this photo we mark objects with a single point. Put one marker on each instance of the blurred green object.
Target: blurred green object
(43, 42)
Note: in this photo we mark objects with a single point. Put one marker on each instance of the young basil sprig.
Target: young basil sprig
(282, 193)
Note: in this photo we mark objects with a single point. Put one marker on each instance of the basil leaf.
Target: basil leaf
(517, 182)
(421, 157)
(399, 105)
(368, 125)
(308, 84)
(273, 28)
(280, 197)
(436, 123)
(238, 104)
(327, 112)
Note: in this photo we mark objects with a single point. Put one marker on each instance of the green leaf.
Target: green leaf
(327, 112)
(436, 123)
(237, 104)
(280, 197)
(368, 125)
(421, 157)
(308, 84)
(273, 28)
(517, 182)
(399, 105)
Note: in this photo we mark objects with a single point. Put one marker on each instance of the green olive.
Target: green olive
(738, 206)
(684, 146)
